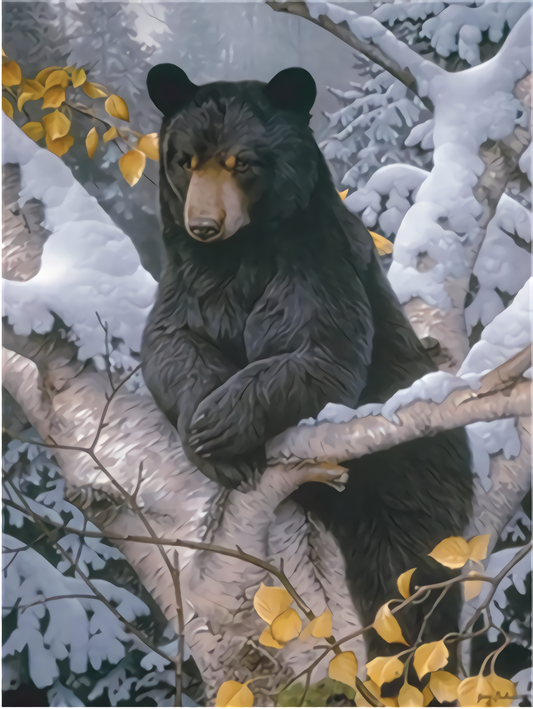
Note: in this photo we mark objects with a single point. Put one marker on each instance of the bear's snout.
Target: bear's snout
(215, 207)
(204, 228)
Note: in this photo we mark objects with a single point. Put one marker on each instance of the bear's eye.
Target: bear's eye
(188, 162)
(240, 165)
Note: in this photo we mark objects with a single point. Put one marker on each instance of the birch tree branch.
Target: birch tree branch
(379, 45)
(334, 442)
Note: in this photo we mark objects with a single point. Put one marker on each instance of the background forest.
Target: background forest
(109, 639)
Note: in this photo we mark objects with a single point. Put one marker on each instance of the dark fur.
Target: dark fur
(250, 335)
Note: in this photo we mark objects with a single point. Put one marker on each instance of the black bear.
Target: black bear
(272, 304)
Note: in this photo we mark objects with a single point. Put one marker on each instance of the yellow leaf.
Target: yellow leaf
(320, 627)
(43, 75)
(91, 142)
(452, 552)
(384, 669)
(428, 697)
(56, 124)
(79, 77)
(444, 686)
(59, 146)
(57, 78)
(374, 690)
(286, 626)
(343, 668)
(234, 694)
(472, 589)
(410, 696)
(149, 144)
(387, 626)
(342, 195)
(267, 639)
(29, 91)
(7, 107)
(11, 74)
(93, 91)
(54, 97)
(110, 134)
(430, 657)
(117, 108)
(33, 130)
(503, 691)
(382, 244)
(478, 546)
(269, 601)
(470, 691)
(403, 582)
(3, 53)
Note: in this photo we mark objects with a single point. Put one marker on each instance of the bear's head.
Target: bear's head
(234, 154)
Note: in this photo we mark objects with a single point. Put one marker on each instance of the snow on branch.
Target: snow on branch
(334, 442)
(369, 37)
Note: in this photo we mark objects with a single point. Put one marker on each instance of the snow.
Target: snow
(70, 633)
(86, 256)
(501, 263)
(368, 29)
(516, 577)
(507, 335)
(443, 222)
(400, 183)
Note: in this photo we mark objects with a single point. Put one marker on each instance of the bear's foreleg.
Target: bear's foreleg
(268, 396)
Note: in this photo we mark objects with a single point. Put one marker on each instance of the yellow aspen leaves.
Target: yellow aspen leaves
(132, 166)
(427, 695)
(91, 142)
(404, 580)
(33, 130)
(59, 146)
(343, 195)
(343, 668)
(54, 97)
(479, 546)
(57, 78)
(43, 75)
(11, 74)
(430, 657)
(471, 589)
(234, 694)
(271, 601)
(454, 552)
(443, 686)
(286, 626)
(410, 696)
(384, 669)
(387, 626)
(56, 125)
(272, 604)
(490, 691)
(7, 108)
(320, 627)
(267, 640)
(30, 90)
(110, 134)
(93, 91)
(374, 691)
(117, 108)
(79, 77)
(149, 144)
(382, 244)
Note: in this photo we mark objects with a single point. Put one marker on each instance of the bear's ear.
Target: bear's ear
(292, 90)
(169, 88)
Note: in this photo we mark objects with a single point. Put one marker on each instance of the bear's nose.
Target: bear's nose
(204, 228)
